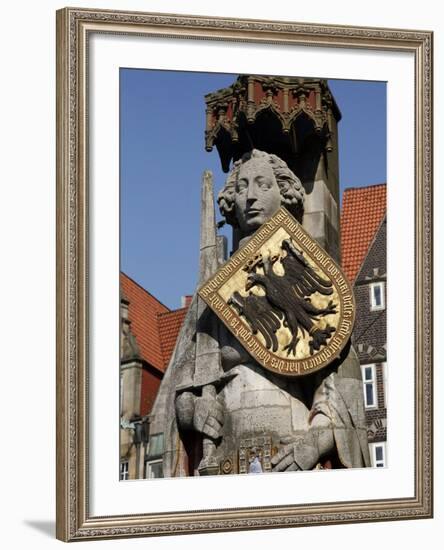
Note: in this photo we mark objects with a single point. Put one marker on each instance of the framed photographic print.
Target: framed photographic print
(244, 274)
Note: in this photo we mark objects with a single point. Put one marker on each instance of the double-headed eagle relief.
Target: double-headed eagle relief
(284, 298)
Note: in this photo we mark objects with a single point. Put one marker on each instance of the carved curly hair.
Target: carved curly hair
(292, 191)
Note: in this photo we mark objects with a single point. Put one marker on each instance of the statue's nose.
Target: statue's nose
(252, 192)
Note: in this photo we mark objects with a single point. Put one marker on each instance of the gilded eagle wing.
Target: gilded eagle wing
(261, 316)
(300, 275)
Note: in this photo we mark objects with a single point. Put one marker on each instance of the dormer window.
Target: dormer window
(377, 298)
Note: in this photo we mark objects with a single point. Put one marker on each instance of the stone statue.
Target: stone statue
(236, 409)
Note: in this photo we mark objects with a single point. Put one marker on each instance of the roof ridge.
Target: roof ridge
(364, 187)
(146, 291)
(165, 313)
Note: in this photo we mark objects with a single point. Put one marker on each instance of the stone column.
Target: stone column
(321, 206)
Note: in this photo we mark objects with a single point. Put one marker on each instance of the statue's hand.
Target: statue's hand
(184, 406)
(299, 453)
(208, 416)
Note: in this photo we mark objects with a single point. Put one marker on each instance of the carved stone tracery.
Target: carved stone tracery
(295, 107)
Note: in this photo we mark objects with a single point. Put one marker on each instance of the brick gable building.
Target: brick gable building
(370, 341)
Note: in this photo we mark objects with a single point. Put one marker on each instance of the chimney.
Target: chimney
(186, 300)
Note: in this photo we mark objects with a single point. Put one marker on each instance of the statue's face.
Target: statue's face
(257, 195)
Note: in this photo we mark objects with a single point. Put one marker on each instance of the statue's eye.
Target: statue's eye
(241, 185)
(264, 183)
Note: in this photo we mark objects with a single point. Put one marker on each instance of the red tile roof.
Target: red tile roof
(362, 211)
(169, 326)
(143, 310)
(153, 324)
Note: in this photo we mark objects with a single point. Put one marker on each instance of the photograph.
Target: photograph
(242, 340)
(252, 274)
(221, 228)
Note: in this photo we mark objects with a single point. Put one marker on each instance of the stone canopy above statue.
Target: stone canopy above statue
(295, 119)
(287, 116)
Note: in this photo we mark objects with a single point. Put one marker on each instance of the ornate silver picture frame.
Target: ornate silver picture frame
(75, 518)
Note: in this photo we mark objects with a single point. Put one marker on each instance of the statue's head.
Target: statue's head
(257, 186)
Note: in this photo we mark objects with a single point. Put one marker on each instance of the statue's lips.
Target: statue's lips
(252, 213)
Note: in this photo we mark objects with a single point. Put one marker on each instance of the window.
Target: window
(124, 471)
(377, 299)
(154, 457)
(154, 469)
(369, 386)
(156, 444)
(377, 454)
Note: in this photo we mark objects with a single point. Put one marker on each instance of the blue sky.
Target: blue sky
(162, 157)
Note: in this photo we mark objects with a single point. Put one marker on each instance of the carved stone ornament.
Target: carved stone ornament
(284, 298)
